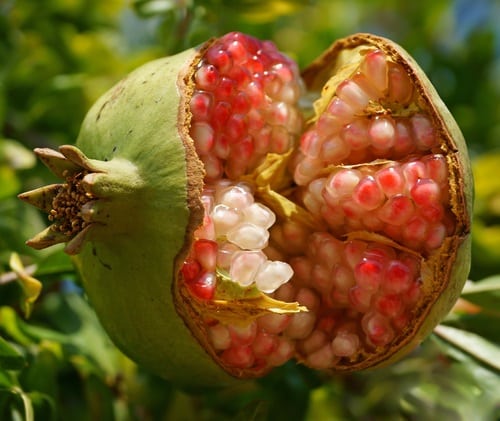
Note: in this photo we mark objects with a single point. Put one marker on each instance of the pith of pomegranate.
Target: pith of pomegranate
(220, 230)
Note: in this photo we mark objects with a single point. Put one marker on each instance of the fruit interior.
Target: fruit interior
(367, 169)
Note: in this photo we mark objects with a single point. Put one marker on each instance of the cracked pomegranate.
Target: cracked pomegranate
(250, 228)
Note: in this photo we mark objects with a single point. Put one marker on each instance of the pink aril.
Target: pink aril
(207, 77)
(377, 329)
(242, 335)
(374, 67)
(245, 265)
(219, 336)
(329, 125)
(307, 169)
(360, 299)
(191, 270)
(225, 89)
(400, 85)
(283, 352)
(224, 255)
(341, 110)
(254, 65)
(321, 278)
(437, 169)
(425, 192)
(413, 171)
(390, 180)
(273, 323)
(322, 358)
(241, 103)
(342, 183)
(203, 287)
(433, 213)
(225, 218)
(213, 167)
(369, 274)
(415, 230)
(334, 150)
(280, 141)
(423, 131)
(310, 143)
(255, 92)
(236, 127)
(399, 276)
(351, 93)
(220, 115)
(219, 58)
(343, 278)
(203, 136)
(389, 305)
(238, 356)
(200, 105)
(355, 134)
(353, 252)
(345, 344)
(435, 236)
(205, 252)
(367, 86)
(396, 210)
(301, 325)
(367, 193)
(313, 342)
(264, 344)
(382, 133)
(403, 141)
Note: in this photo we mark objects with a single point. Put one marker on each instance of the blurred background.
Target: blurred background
(58, 56)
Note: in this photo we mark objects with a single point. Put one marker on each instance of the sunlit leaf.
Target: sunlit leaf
(10, 357)
(485, 293)
(31, 287)
(471, 343)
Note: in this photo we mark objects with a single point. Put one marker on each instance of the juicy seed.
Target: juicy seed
(245, 91)
(401, 201)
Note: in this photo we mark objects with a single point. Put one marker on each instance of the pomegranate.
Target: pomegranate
(224, 225)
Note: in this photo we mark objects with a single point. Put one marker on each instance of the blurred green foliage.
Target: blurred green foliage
(58, 56)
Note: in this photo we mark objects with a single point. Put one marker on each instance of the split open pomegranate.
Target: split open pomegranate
(334, 230)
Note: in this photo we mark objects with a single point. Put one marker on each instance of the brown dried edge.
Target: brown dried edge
(442, 264)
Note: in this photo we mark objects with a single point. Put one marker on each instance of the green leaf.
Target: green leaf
(485, 293)
(10, 357)
(473, 344)
(31, 287)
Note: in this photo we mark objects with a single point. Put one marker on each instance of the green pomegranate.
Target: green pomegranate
(228, 214)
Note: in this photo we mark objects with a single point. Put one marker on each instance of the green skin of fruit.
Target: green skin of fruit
(128, 266)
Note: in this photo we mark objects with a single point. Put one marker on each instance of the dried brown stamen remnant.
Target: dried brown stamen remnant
(67, 205)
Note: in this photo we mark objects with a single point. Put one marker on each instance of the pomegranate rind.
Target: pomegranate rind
(129, 265)
(445, 270)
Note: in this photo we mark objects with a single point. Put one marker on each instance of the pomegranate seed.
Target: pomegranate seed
(400, 86)
(242, 335)
(389, 305)
(264, 344)
(206, 254)
(204, 286)
(397, 210)
(398, 277)
(219, 336)
(355, 134)
(390, 180)
(378, 329)
(423, 132)
(367, 194)
(382, 133)
(239, 357)
(345, 344)
(207, 77)
(374, 67)
(369, 274)
(350, 92)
